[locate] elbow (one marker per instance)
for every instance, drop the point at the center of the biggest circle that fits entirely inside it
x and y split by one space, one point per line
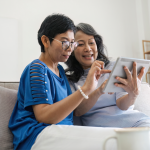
48 121
122 107
77 113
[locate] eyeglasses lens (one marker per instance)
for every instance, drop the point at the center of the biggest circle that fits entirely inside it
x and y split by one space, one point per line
66 45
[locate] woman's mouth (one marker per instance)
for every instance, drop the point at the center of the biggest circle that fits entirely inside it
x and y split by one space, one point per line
66 56
89 57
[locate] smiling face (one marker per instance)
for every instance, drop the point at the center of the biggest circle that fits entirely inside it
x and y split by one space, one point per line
55 51
86 52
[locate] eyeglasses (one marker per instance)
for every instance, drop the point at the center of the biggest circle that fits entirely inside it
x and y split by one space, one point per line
66 44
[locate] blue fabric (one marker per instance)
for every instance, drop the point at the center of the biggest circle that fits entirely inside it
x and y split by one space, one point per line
38 85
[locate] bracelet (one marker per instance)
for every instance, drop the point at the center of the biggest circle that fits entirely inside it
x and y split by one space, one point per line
85 96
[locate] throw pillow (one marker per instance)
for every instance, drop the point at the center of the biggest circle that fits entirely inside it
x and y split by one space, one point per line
8 99
142 102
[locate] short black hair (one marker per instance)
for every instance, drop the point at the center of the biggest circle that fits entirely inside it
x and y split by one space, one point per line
54 24
75 69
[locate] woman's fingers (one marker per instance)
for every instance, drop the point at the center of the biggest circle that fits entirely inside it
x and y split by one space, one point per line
98 73
99 63
124 81
141 73
100 66
128 73
134 74
102 86
104 83
120 85
97 67
96 64
105 71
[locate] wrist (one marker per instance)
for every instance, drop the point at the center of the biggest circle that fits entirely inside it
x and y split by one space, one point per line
85 90
132 95
132 98
82 93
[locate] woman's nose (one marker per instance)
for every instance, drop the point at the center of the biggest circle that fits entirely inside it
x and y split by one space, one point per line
88 48
69 48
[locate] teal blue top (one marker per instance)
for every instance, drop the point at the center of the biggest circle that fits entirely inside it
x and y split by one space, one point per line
38 85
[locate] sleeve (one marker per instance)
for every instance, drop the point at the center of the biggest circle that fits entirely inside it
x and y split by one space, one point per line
110 65
37 86
120 94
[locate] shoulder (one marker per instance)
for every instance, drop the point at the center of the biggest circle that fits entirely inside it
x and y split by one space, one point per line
35 65
110 65
34 62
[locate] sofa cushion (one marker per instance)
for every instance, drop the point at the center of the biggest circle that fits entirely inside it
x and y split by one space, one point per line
8 99
14 85
142 102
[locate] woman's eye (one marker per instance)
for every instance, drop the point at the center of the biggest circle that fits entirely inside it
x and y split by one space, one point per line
80 45
92 43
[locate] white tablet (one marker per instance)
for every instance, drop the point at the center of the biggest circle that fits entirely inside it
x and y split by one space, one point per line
119 71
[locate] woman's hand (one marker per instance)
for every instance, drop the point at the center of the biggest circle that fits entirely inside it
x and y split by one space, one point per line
94 74
132 83
100 89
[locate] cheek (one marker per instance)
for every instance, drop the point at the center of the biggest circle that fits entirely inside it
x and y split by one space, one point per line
77 53
95 52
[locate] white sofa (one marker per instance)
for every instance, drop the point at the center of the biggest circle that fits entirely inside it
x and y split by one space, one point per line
8 97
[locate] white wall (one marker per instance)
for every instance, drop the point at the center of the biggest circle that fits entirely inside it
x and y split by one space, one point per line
122 24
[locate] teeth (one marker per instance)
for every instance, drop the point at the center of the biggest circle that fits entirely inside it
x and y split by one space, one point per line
88 56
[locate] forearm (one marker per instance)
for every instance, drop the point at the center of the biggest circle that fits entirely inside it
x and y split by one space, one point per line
87 104
56 112
125 102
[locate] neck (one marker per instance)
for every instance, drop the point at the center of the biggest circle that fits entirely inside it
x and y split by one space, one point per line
49 62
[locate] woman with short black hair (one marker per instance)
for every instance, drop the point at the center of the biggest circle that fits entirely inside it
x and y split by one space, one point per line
44 94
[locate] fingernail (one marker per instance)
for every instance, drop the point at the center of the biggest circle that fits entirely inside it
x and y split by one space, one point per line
125 67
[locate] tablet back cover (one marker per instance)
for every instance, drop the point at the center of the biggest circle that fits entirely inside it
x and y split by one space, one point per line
119 71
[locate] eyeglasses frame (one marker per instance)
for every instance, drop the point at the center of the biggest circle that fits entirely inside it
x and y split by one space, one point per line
70 43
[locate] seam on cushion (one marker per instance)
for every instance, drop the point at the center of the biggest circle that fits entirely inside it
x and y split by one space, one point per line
37 82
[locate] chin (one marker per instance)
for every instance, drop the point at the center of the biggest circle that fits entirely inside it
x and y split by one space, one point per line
64 60
89 64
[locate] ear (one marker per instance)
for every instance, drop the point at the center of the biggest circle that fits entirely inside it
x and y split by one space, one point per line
45 41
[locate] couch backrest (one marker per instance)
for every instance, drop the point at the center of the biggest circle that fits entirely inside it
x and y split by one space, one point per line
142 103
10 85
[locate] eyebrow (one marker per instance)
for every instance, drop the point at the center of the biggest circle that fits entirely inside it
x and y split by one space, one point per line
83 40
65 38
